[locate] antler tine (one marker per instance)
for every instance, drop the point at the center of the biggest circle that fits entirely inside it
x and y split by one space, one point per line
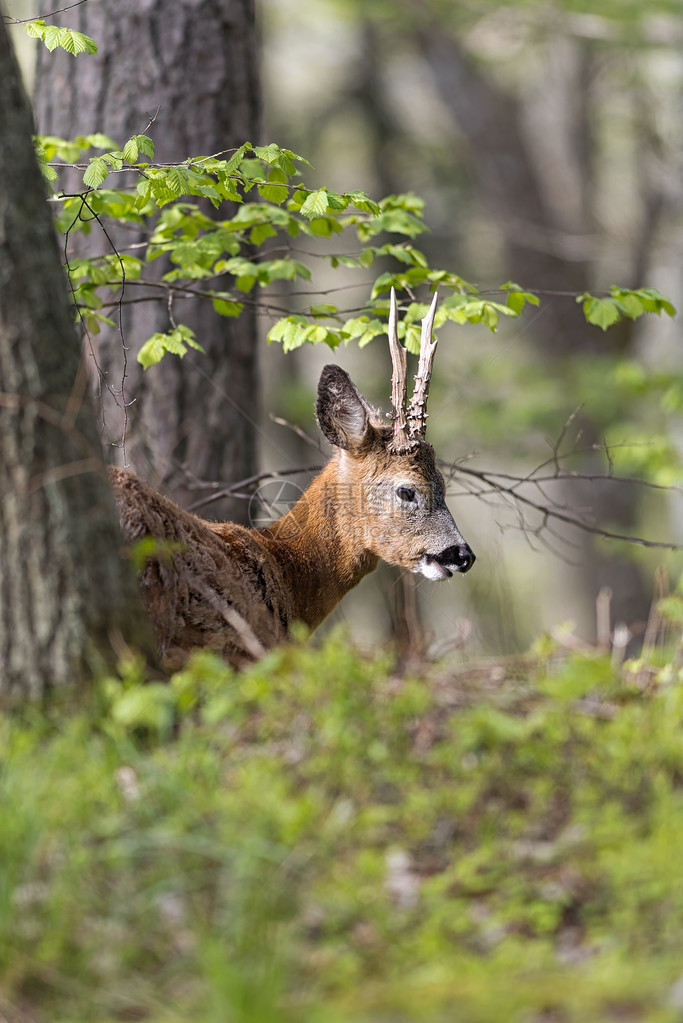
417 410
400 442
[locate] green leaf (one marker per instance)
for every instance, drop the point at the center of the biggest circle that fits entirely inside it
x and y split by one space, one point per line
373 329
356 326
144 190
35 29
323 227
393 222
245 282
96 172
323 310
316 204
226 307
648 300
630 302
227 189
251 170
289 331
278 157
114 160
273 193
630 305
235 160
178 180
49 173
145 145
97 140
176 341
152 351
662 302
602 312
517 297
363 202
145 706
76 42
282 270
53 37
130 151
672 608
269 153
462 309
349 261
260 232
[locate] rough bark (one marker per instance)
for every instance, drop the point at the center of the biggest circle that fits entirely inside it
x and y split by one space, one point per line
193 64
68 601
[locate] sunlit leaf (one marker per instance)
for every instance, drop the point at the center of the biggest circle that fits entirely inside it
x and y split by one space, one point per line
315 204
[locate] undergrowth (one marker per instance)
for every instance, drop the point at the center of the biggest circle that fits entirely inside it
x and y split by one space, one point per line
318 840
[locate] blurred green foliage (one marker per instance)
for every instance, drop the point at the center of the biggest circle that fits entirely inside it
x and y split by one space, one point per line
320 840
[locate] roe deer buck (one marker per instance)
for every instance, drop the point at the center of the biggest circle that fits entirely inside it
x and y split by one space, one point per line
238 590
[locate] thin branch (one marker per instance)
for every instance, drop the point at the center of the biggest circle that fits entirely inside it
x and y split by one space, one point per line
297 430
42 17
558 512
234 490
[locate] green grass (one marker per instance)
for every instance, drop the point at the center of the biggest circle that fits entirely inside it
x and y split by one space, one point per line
319 841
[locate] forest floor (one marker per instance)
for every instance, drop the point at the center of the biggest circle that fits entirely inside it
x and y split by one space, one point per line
320 840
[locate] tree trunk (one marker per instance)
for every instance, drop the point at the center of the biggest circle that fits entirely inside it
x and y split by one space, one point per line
67 598
192 66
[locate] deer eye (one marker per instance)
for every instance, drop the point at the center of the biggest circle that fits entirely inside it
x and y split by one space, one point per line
405 493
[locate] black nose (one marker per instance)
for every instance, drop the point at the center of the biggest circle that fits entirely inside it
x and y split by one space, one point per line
460 558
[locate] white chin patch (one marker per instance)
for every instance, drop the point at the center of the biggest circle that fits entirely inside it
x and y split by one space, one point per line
431 569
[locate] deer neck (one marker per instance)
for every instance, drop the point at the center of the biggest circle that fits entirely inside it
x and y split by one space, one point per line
319 548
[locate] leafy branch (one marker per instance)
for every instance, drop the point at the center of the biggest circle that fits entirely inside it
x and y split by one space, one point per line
55 37
229 226
252 247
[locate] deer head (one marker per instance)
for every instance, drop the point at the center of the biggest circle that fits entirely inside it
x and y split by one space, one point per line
388 489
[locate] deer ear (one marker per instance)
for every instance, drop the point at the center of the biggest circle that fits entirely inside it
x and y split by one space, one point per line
342 411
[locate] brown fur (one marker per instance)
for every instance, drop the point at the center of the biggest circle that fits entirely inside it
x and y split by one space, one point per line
238 591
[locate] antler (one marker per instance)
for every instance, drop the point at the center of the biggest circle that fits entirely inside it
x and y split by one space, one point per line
417 412
410 422
400 443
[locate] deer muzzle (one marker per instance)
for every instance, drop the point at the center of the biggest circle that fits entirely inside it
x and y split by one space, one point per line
443 565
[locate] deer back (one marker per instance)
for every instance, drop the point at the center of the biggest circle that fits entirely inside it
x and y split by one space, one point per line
204 584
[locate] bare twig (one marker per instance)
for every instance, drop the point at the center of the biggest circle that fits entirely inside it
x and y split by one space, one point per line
559 513
235 489
295 429
42 17
250 641
551 510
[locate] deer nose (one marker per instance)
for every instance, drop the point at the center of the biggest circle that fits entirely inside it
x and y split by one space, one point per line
459 558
